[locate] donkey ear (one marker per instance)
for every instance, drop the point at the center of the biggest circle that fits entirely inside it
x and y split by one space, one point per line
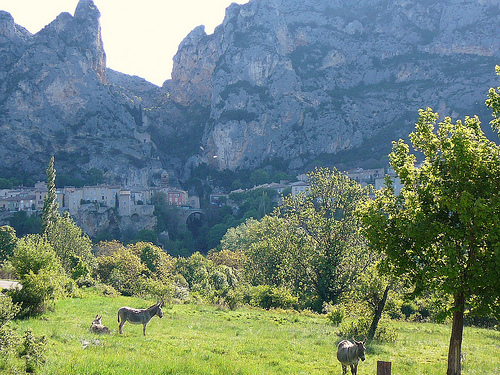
364 341
97 315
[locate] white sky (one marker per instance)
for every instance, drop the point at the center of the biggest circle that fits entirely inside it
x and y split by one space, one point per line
140 37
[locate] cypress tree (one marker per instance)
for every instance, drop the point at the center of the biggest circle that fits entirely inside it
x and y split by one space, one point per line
50 206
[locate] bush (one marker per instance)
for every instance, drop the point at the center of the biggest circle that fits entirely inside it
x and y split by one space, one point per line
336 314
359 328
268 297
41 274
8 338
30 348
33 351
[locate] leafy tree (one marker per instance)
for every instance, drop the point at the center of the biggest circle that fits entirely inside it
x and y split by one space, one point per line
122 270
146 235
40 272
493 102
159 263
24 224
70 243
442 231
325 218
50 206
241 237
8 242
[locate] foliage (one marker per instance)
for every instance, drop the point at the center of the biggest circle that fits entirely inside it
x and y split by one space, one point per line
325 220
122 270
442 231
360 328
40 272
72 246
234 259
146 235
158 262
24 224
50 206
268 297
8 241
493 102
309 243
8 310
8 337
33 351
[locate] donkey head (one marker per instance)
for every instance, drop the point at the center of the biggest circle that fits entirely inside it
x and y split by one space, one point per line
360 350
97 320
158 311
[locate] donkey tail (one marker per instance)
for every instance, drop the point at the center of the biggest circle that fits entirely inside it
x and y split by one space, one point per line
118 316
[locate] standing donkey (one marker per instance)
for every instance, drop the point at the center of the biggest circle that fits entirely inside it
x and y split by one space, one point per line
138 316
349 354
97 327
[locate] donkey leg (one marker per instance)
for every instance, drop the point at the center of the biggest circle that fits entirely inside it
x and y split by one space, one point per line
354 369
120 327
144 329
344 369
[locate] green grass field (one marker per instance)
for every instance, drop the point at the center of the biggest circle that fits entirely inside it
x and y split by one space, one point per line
201 339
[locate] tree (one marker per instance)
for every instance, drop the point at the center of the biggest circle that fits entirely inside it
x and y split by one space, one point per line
442 231
8 242
50 206
325 217
70 244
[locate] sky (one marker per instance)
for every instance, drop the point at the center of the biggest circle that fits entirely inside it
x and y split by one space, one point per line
139 37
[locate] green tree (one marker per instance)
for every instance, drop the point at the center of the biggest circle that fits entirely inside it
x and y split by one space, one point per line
70 244
122 270
442 231
50 206
493 102
8 242
40 272
24 224
325 218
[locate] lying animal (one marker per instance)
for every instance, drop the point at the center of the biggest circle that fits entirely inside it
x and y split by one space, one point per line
349 354
97 327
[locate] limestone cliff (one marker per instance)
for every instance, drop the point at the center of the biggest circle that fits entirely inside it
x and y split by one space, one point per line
294 79
286 80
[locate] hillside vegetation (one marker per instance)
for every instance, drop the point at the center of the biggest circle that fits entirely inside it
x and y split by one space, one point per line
203 339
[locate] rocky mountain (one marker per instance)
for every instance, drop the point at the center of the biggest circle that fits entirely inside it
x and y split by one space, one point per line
278 81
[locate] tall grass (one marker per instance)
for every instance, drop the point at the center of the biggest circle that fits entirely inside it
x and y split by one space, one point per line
200 339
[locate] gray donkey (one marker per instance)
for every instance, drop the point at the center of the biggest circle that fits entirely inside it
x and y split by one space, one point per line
97 327
138 316
349 354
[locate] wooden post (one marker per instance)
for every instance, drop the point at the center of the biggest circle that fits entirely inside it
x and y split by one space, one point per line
383 368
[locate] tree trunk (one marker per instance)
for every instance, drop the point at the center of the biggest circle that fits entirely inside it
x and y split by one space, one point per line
378 314
455 350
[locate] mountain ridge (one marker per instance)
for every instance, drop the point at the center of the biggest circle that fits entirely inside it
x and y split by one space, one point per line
294 81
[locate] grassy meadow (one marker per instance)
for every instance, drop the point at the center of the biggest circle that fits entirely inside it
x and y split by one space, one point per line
202 339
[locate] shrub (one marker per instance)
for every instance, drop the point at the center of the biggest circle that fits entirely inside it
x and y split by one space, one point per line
41 274
33 351
8 338
359 328
336 314
267 297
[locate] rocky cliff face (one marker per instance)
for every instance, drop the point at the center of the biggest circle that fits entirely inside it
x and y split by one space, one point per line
292 80
296 79
56 99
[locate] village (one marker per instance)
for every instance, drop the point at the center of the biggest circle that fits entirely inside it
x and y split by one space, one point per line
136 200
